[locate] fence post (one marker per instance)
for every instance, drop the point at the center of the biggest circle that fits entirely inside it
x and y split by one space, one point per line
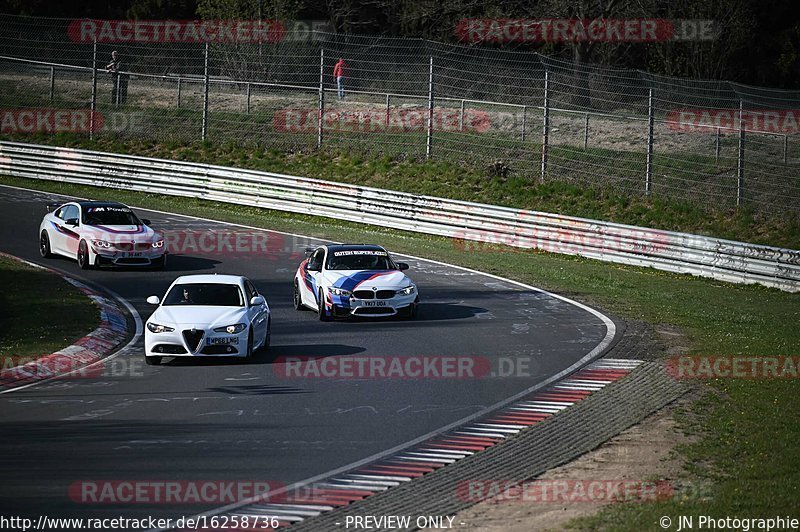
204 133
52 82
716 146
740 163
648 184
461 117
586 131
180 83
93 104
247 107
387 112
321 97
545 124
785 149
524 121
430 112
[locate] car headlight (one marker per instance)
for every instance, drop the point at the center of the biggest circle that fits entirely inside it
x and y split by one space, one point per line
156 328
102 244
340 292
231 329
407 291
158 244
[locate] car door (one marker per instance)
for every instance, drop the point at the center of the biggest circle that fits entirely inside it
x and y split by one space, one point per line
65 238
257 313
314 276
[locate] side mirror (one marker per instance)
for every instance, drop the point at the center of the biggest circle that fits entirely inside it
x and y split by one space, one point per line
153 300
257 300
71 221
402 266
145 221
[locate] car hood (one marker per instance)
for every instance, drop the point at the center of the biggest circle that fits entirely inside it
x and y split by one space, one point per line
380 279
121 233
198 316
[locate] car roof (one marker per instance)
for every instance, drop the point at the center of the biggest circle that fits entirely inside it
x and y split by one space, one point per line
209 278
340 247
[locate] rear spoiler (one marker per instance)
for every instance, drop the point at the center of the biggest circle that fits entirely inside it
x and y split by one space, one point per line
53 206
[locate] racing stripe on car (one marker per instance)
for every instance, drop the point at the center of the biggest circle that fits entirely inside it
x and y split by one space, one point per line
139 229
351 282
65 231
441 450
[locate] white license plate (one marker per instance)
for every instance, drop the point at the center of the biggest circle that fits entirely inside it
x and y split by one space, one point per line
374 303
222 340
128 254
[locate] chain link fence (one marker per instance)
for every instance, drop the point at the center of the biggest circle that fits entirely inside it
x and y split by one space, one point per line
514 113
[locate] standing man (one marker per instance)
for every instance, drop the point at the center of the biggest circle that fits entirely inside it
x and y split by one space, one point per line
339 72
119 87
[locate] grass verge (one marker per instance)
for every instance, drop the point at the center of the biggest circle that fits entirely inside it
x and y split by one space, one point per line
40 314
747 428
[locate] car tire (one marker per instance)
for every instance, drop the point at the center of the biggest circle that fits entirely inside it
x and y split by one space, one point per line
83 256
321 307
297 298
268 336
153 360
44 245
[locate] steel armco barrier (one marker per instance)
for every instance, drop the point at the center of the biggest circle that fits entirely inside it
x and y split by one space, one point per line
725 260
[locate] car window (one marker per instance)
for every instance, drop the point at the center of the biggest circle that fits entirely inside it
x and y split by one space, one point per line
359 259
250 290
109 215
70 212
207 294
60 213
315 262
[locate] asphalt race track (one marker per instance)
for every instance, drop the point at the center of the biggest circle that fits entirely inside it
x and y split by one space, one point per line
225 420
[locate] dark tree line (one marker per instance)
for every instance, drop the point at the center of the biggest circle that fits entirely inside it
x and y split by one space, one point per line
757 41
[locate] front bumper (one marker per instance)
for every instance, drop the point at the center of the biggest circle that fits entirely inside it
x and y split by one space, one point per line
373 308
203 342
129 258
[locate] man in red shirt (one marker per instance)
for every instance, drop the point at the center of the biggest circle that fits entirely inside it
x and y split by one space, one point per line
339 72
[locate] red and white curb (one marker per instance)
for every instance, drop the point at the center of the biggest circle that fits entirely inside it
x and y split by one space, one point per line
440 450
95 346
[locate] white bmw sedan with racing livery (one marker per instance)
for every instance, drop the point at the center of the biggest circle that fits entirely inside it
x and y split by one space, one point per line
206 316
98 233
354 280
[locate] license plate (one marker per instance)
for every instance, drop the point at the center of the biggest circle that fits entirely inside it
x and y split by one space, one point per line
127 254
374 303
222 340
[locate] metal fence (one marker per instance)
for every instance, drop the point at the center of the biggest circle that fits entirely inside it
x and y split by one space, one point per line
485 225
514 113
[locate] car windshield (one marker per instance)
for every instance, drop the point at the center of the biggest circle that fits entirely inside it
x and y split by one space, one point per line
359 259
109 215
207 294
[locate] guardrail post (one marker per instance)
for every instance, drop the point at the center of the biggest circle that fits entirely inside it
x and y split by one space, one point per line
648 178
524 121
461 117
785 149
178 102
740 162
545 124
204 133
93 104
247 105
321 97
52 82
586 131
429 142
716 146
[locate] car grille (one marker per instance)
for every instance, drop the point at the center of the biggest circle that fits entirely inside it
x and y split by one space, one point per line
384 294
372 310
193 338
364 294
141 246
169 349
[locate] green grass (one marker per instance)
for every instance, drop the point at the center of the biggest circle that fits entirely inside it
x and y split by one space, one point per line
40 314
745 457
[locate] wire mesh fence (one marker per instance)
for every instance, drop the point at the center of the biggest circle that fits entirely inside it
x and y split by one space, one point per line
514 113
